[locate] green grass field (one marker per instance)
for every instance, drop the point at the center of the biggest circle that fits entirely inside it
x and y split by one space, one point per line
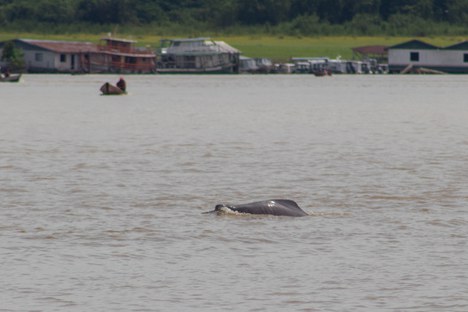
278 48
283 48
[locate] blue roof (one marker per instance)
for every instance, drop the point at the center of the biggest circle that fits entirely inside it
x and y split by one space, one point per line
458 46
415 44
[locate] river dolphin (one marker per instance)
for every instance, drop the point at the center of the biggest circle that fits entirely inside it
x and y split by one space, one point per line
276 207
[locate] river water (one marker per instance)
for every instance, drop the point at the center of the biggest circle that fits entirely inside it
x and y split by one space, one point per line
101 198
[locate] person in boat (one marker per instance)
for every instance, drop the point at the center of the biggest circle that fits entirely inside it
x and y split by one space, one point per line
6 72
122 84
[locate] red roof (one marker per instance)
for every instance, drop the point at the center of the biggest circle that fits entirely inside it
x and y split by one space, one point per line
63 46
118 40
375 49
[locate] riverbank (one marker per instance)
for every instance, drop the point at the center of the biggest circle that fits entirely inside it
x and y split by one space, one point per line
277 48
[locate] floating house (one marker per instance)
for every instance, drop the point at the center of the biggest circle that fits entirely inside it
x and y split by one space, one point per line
197 55
416 54
54 56
121 56
112 56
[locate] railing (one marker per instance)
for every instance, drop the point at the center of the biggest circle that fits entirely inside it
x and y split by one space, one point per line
138 66
125 50
170 64
194 50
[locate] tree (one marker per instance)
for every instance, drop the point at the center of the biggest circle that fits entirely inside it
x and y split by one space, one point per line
13 56
456 11
107 11
55 11
219 13
330 10
148 11
307 25
303 8
255 12
417 8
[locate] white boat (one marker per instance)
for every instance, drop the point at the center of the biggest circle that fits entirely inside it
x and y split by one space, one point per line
198 55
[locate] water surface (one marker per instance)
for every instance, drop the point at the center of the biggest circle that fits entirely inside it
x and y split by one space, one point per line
102 197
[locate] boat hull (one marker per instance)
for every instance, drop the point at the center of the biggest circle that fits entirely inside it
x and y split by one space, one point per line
110 89
10 78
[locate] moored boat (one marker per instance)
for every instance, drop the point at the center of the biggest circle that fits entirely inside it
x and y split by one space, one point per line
10 78
322 73
110 89
197 56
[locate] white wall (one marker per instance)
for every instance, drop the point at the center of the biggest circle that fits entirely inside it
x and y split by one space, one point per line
47 61
67 65
51 61
439 58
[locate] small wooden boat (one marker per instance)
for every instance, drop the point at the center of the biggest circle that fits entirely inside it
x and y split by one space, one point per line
10 78
322 73
110 89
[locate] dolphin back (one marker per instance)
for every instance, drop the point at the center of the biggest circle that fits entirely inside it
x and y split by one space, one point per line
276 207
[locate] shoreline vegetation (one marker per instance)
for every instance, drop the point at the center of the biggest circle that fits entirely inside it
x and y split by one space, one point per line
279 48
275 29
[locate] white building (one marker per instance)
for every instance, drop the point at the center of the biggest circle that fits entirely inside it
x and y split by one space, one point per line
418 54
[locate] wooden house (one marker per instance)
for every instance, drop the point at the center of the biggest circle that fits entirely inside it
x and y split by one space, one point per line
121 56
112 56
54 56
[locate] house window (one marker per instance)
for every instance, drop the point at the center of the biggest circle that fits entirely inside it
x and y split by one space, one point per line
38 57
465 58
130 60
63 58
414 56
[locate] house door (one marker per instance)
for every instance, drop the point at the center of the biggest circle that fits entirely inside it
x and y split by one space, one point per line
73 61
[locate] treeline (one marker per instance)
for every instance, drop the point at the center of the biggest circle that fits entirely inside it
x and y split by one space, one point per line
292 17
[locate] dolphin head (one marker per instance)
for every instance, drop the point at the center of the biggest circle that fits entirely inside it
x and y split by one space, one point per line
219 207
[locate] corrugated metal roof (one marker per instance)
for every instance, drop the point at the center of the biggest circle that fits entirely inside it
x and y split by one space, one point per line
374 49
118 40
200 39
226 47
63 46
197 47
